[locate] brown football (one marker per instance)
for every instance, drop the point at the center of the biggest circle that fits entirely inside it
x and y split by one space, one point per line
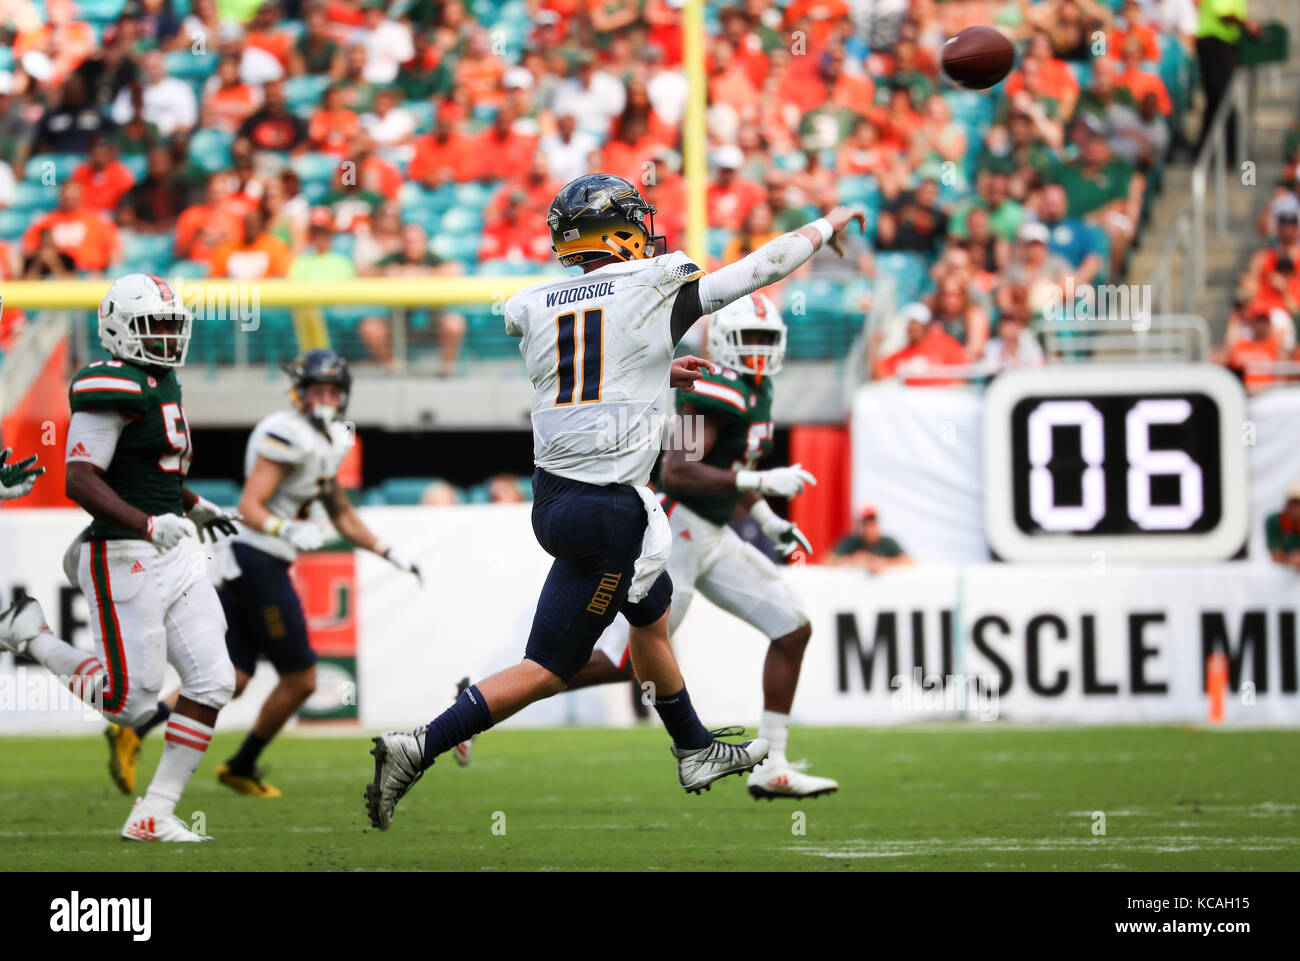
978 57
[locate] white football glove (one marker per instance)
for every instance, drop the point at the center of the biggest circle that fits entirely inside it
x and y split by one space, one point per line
399 560
784 535
167 530
212 520
303 535
779 481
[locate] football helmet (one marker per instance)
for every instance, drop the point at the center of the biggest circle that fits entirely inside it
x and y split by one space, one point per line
726 336
319 366
142 319
598 216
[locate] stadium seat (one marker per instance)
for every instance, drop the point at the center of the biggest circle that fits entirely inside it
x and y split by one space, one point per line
189 269
909 272
343 244
405 490
315 167
60 165
13 223
35 197
305 88
223 493
189 66
822 316
147 248
474 194
210 149
137 163
462 220
101 11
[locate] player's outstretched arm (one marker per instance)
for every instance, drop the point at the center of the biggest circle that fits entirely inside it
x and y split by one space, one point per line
353 529
775 260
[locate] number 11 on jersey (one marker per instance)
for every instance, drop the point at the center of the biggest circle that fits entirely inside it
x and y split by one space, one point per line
592 369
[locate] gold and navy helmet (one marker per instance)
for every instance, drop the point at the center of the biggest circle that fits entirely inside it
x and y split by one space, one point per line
319 366
598 216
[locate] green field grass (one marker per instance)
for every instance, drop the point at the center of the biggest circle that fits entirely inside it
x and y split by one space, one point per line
977 798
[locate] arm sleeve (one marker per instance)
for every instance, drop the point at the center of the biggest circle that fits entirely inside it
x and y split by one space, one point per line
775 260
93 436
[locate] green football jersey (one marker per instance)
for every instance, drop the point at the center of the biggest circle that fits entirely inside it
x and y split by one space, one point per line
744 435
153 454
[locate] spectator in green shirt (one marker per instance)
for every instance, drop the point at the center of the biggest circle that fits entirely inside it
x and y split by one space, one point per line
867 547
1282 530
318 263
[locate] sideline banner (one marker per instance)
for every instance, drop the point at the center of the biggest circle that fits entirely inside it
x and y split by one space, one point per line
1056 644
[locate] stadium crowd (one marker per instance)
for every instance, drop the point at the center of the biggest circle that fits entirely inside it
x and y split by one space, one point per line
1261 336
325 139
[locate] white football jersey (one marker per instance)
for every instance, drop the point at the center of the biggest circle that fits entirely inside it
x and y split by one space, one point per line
598 349
288 437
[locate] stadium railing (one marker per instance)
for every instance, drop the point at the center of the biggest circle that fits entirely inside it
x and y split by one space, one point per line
1183 254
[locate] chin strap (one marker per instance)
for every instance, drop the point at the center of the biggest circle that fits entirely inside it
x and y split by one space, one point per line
619 250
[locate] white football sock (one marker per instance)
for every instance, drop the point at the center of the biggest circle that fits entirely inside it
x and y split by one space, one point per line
81 672
776 729
183 746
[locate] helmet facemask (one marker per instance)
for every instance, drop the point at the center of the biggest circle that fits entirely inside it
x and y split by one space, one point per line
749 336
159 339
759 351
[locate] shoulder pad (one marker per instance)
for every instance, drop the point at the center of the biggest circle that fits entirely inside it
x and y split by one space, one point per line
109 385
279 437
676 269
716 394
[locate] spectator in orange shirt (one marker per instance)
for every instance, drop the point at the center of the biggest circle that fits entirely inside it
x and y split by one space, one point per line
375 173
756 230
264 34
334 125
747 48
65 40
444 156
818 81
627 155
256 256
822 18
228 102
1054 78
516 235
536 184
1135 26
729 197
1140 82
501 150
80 231
479 71
729 81
103 178
203 227
640 105
1258 345
927 346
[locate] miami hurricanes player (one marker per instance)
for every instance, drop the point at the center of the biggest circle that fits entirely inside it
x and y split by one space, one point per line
291 462
139 563
701 492
599 352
